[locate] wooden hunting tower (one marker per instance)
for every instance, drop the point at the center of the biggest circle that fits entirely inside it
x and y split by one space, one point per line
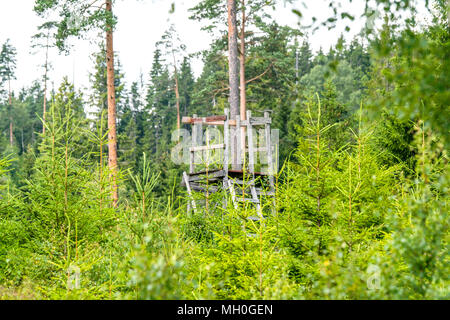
226 159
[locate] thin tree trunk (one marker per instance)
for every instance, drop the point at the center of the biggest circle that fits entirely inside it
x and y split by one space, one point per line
319 220
23 146
112 135
233 71
177 92
242 64
350 222
296 65
11 140
243 106
45 86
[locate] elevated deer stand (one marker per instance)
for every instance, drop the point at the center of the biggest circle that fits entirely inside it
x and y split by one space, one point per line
236 163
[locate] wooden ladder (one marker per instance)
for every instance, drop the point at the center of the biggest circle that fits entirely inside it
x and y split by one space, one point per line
254 196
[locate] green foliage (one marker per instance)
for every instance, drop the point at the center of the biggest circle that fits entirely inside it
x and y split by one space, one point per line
7 62
76 18
394 142
419 244
158 270
344 79
239 258
64 202
360 208
423 91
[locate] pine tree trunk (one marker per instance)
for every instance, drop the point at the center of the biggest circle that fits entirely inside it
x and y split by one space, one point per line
11 140
112 135
23 146
177 92
44 111
233 59
243 107
45 104
233 70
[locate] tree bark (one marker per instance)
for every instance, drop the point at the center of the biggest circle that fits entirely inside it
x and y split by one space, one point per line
111 91
233 59
177 92
233 72
11 139
45 85
243 106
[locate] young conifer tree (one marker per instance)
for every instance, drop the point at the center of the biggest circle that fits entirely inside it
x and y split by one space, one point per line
7 69
78 17
62 195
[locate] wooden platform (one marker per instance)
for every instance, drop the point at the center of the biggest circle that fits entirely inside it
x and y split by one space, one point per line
217 176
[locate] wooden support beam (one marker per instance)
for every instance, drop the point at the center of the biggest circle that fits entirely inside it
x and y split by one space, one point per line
192 154
226 142
237 157
269 148
251 154
259 121
226 157
203 188
206 148
211 176
270 161
255 121
188 187
232 192
203 120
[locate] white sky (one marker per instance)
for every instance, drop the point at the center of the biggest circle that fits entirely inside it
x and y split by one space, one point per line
140 26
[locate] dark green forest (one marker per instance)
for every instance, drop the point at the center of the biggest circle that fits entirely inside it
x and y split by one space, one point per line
361 198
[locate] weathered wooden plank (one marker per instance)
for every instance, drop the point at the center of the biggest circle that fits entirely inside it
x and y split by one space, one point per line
255 121
238 155
203 188
226 141
204 172
205 148
242 182
188 187
192 154
262 149
233 194
198 159
270 161
251 152
256 201
260 121
203 120
269 148
211 176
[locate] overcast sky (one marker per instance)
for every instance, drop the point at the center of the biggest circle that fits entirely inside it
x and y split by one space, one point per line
140 26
